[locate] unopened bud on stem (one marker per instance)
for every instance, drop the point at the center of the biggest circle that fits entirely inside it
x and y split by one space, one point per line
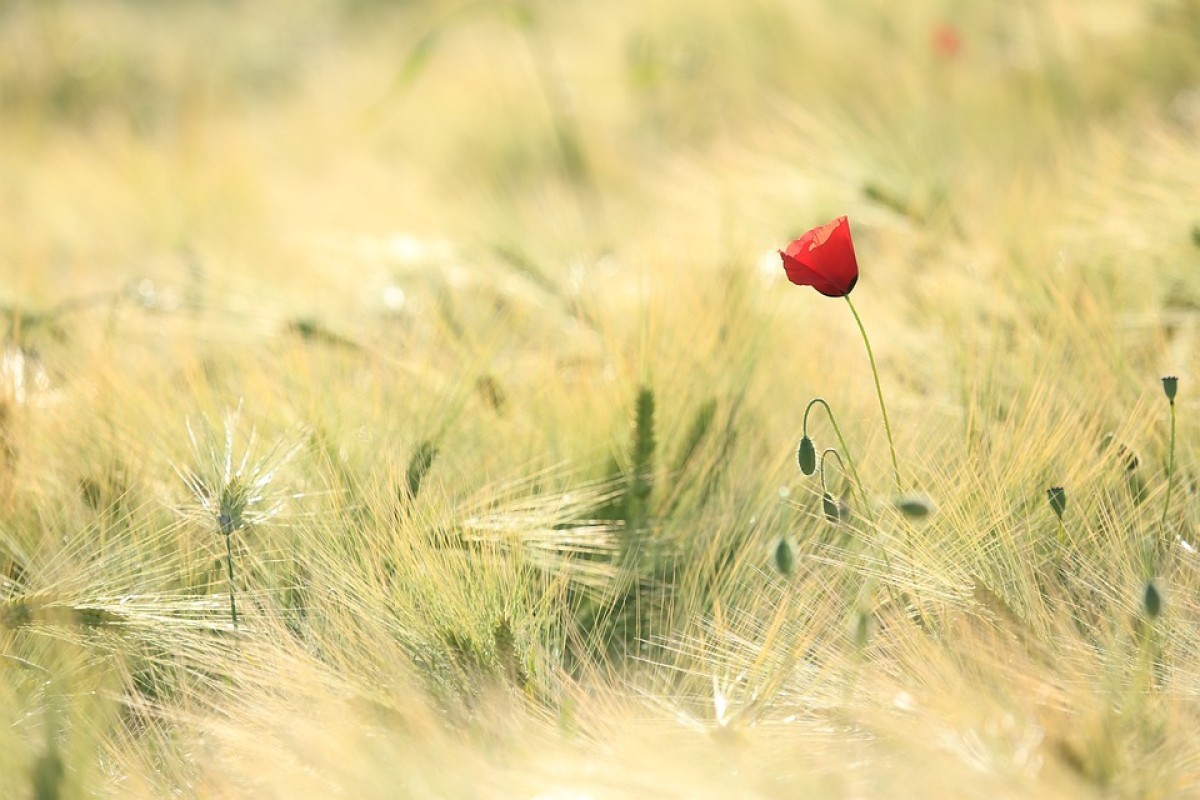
806 456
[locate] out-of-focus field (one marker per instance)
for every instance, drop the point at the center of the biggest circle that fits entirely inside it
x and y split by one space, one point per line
468 322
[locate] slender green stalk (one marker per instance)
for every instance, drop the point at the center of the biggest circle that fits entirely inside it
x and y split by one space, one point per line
887 426
862 491
1170 471
229 566
829 451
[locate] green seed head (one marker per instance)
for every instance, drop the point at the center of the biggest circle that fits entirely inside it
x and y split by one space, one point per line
1170 387
806 456
231 511
1151 600
1057 496
785 559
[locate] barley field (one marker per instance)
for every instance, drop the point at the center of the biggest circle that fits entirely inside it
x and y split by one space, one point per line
403 400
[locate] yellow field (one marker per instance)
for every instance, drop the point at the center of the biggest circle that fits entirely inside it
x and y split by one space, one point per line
458 333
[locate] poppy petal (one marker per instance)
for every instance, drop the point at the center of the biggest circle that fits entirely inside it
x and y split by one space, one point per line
801 275
824 259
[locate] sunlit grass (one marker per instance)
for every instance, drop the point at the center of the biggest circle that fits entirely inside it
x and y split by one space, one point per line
489 355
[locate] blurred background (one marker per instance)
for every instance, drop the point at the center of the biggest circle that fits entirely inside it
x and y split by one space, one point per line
368 170
487 246
157 138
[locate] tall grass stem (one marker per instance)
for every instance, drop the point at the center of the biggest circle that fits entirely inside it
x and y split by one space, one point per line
229 567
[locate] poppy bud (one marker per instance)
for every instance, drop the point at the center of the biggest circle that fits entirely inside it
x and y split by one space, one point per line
1057 496
785 559
806 456
914 506
832 512
1170 386
1151 600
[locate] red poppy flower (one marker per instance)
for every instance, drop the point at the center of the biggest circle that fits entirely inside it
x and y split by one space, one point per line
946 40
824 259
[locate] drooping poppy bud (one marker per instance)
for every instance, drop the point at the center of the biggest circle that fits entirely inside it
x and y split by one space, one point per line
1151 600
824 259
1057 496
806 456
832 512
1170 386
785 559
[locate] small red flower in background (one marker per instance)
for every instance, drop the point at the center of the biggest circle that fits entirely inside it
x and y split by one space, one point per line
824 259
946 40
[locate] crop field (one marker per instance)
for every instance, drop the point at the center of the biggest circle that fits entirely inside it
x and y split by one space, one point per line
409 399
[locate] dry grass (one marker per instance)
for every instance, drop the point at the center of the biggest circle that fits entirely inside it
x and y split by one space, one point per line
520 385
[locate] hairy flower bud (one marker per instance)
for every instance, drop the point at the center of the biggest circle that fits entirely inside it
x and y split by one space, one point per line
806 456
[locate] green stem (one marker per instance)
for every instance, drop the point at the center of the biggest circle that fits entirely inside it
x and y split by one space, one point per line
1170 471
887 426
862 491
821 469
229 566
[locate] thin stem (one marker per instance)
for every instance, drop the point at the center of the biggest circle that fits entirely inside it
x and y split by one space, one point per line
826 452
808 408
887 426
229 566
862 491
1170 471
